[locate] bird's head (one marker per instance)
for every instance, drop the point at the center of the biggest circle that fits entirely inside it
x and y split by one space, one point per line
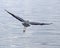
27 20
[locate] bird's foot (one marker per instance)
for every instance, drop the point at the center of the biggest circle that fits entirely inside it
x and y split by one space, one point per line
23 30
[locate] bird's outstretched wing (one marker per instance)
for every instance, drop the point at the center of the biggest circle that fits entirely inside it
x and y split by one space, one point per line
20 19
35 23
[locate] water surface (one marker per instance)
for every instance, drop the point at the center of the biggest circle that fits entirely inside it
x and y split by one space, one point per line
11 30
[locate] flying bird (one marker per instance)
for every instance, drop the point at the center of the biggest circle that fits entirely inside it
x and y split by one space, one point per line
26 23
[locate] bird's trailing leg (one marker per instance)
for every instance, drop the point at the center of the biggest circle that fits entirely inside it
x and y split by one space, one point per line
24 29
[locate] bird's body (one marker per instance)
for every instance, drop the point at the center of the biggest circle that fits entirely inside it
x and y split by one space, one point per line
27 23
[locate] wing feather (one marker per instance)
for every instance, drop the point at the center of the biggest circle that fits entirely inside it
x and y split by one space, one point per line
36 23
17 17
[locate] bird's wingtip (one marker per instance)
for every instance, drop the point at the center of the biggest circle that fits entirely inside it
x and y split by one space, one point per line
5 10
51 23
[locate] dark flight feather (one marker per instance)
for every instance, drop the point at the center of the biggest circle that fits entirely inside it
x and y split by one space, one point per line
20 19
35 23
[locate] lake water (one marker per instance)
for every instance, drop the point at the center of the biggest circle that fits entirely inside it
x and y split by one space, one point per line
11 30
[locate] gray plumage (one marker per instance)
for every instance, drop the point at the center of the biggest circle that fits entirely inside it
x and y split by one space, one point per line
17 17
27 23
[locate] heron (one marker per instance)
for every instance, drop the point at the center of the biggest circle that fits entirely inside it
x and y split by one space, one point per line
26 23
